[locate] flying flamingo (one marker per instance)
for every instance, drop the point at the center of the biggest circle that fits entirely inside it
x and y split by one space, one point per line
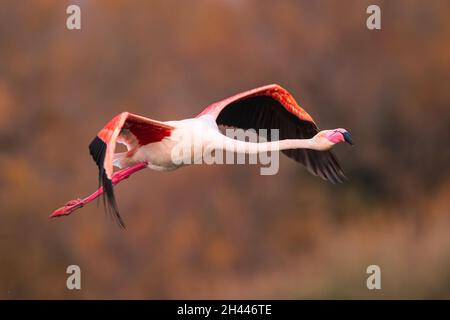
150 142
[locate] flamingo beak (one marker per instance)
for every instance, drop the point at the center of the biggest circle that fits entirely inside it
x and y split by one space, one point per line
348 138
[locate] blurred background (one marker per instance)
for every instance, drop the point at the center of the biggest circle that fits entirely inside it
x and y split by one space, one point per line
226 231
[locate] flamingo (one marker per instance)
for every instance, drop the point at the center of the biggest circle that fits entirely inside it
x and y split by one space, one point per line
150 142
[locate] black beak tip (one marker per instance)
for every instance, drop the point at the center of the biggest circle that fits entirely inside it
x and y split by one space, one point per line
348 138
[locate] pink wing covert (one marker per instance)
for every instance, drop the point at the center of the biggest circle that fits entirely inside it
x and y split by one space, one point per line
274 91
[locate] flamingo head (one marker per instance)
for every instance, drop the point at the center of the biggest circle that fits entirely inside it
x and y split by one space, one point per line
326 139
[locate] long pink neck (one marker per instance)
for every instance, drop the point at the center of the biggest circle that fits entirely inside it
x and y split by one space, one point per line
233 145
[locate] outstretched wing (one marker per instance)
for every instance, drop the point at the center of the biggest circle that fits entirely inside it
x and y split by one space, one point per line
273 107
132 130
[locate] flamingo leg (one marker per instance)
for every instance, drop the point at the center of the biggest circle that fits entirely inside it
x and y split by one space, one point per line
117 177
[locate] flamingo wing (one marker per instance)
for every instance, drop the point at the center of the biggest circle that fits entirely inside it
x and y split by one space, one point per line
273 107
132 130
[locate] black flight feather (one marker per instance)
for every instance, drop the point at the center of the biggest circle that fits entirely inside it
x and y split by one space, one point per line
97 149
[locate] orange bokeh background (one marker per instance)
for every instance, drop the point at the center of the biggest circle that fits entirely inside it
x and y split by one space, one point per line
226 231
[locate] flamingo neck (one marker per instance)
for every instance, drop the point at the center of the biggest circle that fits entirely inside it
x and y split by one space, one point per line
233 145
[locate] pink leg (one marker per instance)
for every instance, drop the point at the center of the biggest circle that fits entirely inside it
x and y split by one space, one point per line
118 176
